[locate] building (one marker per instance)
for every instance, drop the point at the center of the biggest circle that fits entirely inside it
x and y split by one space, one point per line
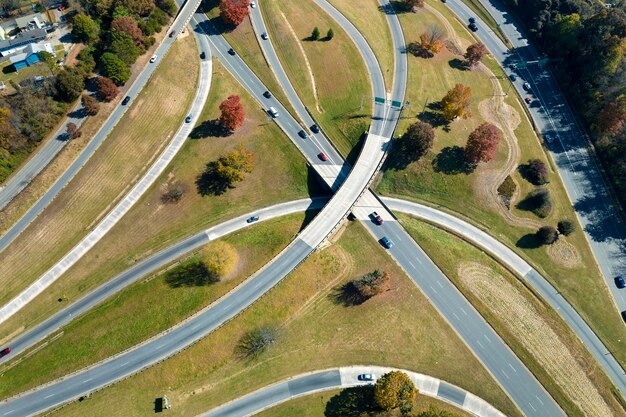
29 55
20 41
30 22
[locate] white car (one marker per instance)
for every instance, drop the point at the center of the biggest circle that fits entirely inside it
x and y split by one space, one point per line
264 36
153 59
366 377
252 4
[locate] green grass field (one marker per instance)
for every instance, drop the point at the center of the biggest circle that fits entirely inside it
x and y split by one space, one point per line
461 194
143 310
341 79
152 225
399 328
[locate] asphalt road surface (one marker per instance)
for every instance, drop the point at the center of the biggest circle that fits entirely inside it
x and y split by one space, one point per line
96 141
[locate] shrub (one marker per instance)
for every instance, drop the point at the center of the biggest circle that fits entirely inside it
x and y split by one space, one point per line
539 202
174 193
507 188
371 284
535 172
547 235
255 342
315 35
566 227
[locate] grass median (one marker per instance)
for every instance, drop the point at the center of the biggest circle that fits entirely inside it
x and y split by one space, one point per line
152 225
328 74
399 328
146 308
534 331
436 180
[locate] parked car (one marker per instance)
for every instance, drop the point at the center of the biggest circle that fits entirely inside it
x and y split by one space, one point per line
5 352
253 219
376 217
126 100
528 100
153 59
264 36
526 86
322 156
267 94
315 129
619 281
231 51
188 118
273 112
302 134
366 377
386 242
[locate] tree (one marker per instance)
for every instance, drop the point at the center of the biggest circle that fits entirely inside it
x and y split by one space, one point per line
233 12
168 6
70 83
431 41
330 34
610 119
547 235
128 25
91 105
417 140
189 274
114 68
535 171
124 47
255 342
86 61
72 131
107 90
233 166
475 53
456 102
566 227
174 193
413 4
371 284
482 143
220 258
232 116
139 7
85 29
315 35
395 389
50 60
539 202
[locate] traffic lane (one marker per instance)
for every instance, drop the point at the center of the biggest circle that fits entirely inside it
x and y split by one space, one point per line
162 346
514 377
151 265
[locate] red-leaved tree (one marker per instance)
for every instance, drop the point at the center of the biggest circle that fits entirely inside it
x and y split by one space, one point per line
610 120
107 90
475 53
129 26
482 143
234 11
232 115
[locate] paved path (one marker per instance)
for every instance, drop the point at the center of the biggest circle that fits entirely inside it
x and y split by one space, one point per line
111 219
565 141
94 143
346 377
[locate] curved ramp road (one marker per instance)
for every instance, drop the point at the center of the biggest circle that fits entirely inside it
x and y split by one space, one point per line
581 175
346 377
151 265
122 207
32 213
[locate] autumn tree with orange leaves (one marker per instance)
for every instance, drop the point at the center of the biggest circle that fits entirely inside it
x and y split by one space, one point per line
232 116
482 143
475 53
234 11
456 102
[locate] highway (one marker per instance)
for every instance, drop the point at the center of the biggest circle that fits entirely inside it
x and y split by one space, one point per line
93 144
346 377
565 141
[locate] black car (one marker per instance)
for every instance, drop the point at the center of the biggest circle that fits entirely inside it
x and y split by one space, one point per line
202 55
267 94
619 282
126 100
472 20
624 315
315 129
172 34
473 27
302 134
231 51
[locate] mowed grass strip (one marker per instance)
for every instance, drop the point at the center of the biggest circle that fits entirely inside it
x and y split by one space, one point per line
429 80
280 174
399 328
316 405
367 17
341 80
246 43
533 330
132 146
143 310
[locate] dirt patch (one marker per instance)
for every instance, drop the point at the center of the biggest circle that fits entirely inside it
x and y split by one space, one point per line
533 332
564 254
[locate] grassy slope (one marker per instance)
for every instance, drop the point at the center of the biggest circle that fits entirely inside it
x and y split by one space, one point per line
399 328
150 225
458 252
314 405
341 78
429 80
152 305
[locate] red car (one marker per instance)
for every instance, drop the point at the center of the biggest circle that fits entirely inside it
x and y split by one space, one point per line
377 218
5 352
322 156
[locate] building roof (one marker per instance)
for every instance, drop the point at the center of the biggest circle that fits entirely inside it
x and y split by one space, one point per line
22 38
24 21
31 49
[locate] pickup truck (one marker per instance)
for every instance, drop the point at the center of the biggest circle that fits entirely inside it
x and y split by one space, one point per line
377 218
